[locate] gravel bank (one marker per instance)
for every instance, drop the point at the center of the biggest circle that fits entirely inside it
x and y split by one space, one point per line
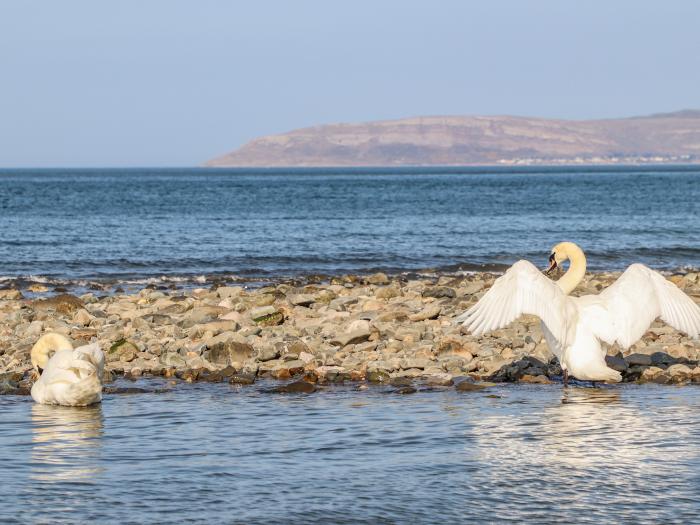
355 328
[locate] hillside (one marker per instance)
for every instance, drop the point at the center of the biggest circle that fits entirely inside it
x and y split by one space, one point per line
459 140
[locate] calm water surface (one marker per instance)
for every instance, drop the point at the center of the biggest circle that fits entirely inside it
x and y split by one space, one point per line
222 454
136 224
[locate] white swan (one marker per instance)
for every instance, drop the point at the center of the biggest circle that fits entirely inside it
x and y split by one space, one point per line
67 377
575 326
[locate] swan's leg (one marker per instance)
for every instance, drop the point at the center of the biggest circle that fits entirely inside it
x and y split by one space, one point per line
566 377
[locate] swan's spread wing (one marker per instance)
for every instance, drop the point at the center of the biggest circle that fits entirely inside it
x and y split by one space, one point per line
641 295
554 345
523 289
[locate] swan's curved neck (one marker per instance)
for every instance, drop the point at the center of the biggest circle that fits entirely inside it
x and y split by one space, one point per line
48 343
577 268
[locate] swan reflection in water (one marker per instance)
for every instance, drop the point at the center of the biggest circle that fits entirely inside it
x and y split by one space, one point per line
587 395
549 452
66 443
581 427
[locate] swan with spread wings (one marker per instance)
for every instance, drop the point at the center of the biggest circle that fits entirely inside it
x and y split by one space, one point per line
574 327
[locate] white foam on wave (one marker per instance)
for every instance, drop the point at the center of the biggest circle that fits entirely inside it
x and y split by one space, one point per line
38 279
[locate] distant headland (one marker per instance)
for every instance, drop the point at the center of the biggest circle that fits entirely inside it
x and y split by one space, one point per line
479 140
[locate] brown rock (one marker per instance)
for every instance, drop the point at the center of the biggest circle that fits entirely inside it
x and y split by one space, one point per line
189 375
10 295
310 376
378 376
679 373
430 312
225 292
281 373
297 387
301 299
651 373
457 346
202 314
377 278
540 379
267 316
210 376
82 317
63 303
83 335
387 292
122 350
242 379
266 299
468 386
352 338
358 375
229 371
439 292
230 353
439 380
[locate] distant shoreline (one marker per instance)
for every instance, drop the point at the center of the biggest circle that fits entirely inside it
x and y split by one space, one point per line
369 169
469 168
478 140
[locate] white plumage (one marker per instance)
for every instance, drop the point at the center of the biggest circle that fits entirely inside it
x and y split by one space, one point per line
575 326
70 377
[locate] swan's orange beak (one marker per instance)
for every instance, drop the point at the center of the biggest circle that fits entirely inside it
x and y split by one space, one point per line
552 264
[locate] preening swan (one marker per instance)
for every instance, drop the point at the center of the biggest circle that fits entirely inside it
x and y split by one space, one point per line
67 377
575 326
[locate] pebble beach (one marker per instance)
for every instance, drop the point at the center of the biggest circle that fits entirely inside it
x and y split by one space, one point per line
375 328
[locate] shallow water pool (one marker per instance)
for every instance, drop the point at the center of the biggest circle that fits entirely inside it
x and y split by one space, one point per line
217 453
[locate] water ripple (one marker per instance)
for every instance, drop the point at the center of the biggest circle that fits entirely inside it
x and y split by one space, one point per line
137 224
207 453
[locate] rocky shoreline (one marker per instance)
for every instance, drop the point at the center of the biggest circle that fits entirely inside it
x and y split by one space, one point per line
393 330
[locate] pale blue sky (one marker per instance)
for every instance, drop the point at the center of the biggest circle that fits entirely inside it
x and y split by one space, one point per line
173 83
